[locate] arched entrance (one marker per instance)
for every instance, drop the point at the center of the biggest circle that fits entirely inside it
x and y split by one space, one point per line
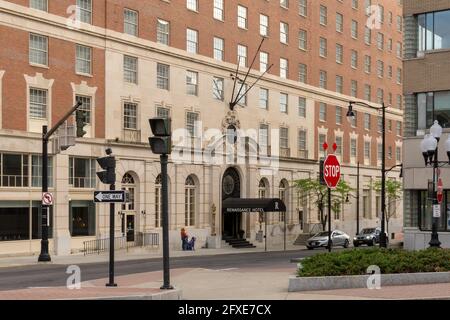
129 208
231 188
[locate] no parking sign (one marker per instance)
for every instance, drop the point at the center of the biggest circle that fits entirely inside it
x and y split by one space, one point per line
47 199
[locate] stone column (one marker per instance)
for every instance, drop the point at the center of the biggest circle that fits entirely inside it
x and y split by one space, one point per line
61 214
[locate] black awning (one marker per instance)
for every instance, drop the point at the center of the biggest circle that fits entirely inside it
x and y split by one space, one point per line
231 205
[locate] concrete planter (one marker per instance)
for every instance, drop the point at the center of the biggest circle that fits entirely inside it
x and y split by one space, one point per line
360 281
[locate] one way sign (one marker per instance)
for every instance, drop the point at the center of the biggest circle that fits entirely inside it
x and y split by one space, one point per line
109 196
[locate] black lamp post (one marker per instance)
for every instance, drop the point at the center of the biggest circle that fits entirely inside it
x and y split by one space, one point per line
350 115
347 200
430 148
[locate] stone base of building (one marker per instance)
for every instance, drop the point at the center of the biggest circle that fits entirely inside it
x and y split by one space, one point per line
414 239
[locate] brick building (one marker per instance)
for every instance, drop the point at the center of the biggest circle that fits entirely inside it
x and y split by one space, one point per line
427 98
132 60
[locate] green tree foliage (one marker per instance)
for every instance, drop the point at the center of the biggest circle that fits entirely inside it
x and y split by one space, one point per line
394 190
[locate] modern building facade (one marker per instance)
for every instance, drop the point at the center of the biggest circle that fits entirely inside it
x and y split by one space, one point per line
427 98
132 60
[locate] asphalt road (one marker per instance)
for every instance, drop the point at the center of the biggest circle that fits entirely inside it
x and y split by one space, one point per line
52 275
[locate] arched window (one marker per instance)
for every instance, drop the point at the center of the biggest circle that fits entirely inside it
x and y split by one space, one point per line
189 201
282 190
262 189
129 185
158 201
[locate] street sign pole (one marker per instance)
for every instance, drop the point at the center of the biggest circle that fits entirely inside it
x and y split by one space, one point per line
44 256
329 220
165 222
111 283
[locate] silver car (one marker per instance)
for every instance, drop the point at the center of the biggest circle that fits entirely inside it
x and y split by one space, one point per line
338 238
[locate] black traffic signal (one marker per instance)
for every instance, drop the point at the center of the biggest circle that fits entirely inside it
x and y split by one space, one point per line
80 116
161 142
108 176
321 178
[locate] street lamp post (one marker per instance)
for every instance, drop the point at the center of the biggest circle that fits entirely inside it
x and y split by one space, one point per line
350 115
347 200
430 147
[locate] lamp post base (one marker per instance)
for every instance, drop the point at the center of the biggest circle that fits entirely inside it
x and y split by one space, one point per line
383 242
434 242
166 287
44 257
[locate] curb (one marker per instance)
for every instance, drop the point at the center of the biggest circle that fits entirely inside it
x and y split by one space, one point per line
360 281
175 294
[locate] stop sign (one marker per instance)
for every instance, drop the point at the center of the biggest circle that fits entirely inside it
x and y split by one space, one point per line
331 171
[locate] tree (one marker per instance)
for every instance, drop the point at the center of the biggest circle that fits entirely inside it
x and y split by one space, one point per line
394 191
318 194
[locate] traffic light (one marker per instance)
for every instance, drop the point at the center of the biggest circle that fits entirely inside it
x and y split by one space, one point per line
108 176
161 142
80 116
321 178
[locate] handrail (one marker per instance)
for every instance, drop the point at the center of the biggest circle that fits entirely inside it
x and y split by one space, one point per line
102 245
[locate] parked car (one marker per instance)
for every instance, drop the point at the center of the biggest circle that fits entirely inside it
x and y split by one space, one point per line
368 236
338 238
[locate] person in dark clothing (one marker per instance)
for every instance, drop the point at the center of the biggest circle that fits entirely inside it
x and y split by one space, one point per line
184 239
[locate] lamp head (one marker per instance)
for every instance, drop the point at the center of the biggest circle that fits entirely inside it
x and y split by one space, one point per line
350 113
436 130
108 151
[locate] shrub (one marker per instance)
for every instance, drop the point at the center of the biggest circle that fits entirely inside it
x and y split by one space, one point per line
356 261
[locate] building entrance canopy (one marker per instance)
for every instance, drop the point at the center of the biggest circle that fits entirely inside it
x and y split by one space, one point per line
232 205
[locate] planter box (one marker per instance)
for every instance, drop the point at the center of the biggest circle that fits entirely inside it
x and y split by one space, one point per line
360 281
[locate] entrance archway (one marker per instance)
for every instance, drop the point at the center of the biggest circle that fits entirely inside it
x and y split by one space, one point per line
231 188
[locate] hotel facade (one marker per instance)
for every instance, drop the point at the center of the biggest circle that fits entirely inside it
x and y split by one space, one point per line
130 60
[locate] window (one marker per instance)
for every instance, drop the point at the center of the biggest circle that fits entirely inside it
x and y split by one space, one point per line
86 107
263 138
38 53
367 92
83 59
163 32
191 83
242 101
242 17
218 49
284 3
263 25
130 116
303 8
283 103
399 76
284 138
380 95
322 111
302 146
380 68
353 148
218 10
380 124
390 125
354 4
398 154
390 72
339 53
354 59
130 69
14 170
191 124
354 88
302 73
380 41
322 140
433 30
263 98
323 15
36 171
399 101
84 11
323 79
339 22
367 5
263 61
191 41
354 31
81 218
432 106
389 153
218 88
262 190
192 5
400 23
381 13
339 146
162 112
302 107
339 84
283 68
389 45
399 129
284 32
162 76
82 172
367 64
38 103
130 22
323 47
367 35
367 150
366 204
39 4
367 121
189 201
338 115
399 50
303 39
242 55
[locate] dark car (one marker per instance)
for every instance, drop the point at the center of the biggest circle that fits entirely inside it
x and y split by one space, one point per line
368 236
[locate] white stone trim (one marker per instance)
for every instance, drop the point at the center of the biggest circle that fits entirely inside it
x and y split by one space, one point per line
39 82
2 72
